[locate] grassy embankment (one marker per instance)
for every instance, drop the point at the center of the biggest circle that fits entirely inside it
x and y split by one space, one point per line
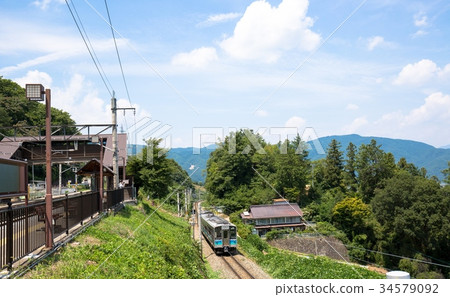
160 249
282 264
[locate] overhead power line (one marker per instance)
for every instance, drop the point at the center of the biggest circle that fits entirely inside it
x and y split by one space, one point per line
89 48
118 55
396 256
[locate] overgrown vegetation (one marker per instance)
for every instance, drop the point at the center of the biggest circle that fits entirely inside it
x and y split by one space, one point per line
288 265
377 205
160 249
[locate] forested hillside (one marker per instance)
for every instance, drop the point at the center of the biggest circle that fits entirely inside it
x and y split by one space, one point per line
17 111
434 160
383 206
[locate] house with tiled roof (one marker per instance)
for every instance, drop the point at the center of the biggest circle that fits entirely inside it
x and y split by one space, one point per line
280 215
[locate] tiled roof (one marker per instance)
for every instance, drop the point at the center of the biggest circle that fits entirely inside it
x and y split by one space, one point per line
273 211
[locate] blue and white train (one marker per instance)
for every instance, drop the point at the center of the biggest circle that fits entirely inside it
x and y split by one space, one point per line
220 233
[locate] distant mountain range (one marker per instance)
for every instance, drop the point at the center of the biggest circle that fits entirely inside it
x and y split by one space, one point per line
434 160
193 160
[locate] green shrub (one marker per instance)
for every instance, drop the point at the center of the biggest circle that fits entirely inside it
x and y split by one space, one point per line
275 234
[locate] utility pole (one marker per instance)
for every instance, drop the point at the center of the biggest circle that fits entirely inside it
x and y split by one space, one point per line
199 220
115 146
185 202
178 203
48 172
100 202
114 142
60 179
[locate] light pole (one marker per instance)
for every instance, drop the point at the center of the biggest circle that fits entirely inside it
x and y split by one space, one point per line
36 92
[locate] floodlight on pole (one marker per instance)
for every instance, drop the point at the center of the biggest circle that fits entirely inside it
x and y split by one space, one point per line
36 92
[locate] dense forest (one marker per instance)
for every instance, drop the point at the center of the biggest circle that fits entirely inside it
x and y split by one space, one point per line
392 213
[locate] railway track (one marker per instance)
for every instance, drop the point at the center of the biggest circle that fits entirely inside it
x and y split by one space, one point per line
236 267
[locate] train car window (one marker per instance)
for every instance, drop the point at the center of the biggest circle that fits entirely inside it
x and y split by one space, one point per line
232 232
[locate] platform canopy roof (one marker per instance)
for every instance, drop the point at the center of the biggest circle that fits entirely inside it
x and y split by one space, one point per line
93 167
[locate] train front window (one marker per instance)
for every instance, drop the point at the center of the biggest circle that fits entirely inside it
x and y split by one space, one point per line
225 233
232 232
218 233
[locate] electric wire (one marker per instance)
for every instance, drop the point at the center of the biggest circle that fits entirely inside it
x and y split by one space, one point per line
117 52
88 48
396 256
91 46
179 94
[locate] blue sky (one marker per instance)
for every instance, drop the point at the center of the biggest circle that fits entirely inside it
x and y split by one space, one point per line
210 67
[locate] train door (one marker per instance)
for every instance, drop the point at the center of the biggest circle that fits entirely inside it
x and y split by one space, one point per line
226 236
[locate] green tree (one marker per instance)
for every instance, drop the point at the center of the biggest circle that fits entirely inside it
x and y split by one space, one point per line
411 168
334 164
373 166
230 165
446 173
291 169
415 214
17 111
152 170
350 179
350 214
244 169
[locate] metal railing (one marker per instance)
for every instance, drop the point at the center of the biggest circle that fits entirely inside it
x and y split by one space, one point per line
22 228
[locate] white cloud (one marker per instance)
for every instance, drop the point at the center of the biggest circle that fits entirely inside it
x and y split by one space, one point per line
378 41
419 33
356 125
422 72
352 106
265 32
295 122
220 18
42 44
261 113
425 123
374 41
80 96
420 20
44 4
35 77
436 107
417 73
197 58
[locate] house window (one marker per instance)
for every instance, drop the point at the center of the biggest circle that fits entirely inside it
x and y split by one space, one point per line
262 222
277 221
293 220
